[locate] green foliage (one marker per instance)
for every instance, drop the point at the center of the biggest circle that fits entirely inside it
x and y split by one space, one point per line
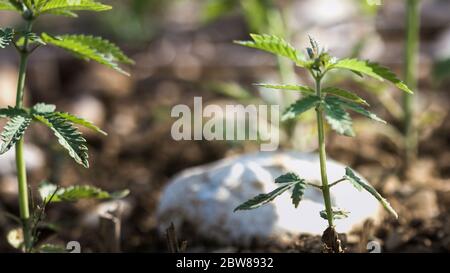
67 7
275 45
68 136
90 48
50 193
34 8
303 89
79 121
14 131
360 185
15 128
331 103
344 94
338 118
62 124
297 193
301 106
9 5
11 112
287 181
354 107
6 37
373 70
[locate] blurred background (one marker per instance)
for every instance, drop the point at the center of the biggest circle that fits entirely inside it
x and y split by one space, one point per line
182 49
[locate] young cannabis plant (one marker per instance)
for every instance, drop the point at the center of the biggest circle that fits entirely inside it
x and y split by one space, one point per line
61 123
330 103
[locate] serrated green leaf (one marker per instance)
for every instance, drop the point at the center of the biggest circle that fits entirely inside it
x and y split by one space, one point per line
304 89
354 107
299 107
371 69
13 132
359 184
297 192
6 37
344 94
68 136
275 45
288 178
12 112
79 121
43 108
338 118
338 214
50 193
10 5
287 181
91 48
263 198
66 7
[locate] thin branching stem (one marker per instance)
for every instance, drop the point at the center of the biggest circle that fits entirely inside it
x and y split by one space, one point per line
337 182
323 156
314 185
20 160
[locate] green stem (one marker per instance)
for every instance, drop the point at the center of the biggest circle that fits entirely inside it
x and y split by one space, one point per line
323 158
20 160
412 48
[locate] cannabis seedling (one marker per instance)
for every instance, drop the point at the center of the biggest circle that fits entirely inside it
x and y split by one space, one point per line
61 123
330 103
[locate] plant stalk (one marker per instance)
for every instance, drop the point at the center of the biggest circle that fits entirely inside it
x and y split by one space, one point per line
411 61
323 158
20 160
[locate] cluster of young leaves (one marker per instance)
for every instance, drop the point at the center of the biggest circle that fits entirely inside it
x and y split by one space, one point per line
61 123
86 47
335 102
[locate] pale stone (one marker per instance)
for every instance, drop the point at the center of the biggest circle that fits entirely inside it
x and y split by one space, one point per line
34 160
204 198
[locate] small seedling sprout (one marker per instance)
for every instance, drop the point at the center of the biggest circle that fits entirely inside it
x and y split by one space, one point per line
331 104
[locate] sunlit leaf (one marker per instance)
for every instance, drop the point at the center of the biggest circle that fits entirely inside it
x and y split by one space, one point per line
359 184
301 106
52 194
371 69
348 95
91 48
338 118
275 45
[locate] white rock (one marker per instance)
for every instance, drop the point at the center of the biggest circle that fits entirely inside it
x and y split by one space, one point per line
204 198
34 160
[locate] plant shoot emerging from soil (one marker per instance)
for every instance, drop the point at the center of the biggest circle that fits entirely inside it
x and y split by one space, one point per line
331 104
61 123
